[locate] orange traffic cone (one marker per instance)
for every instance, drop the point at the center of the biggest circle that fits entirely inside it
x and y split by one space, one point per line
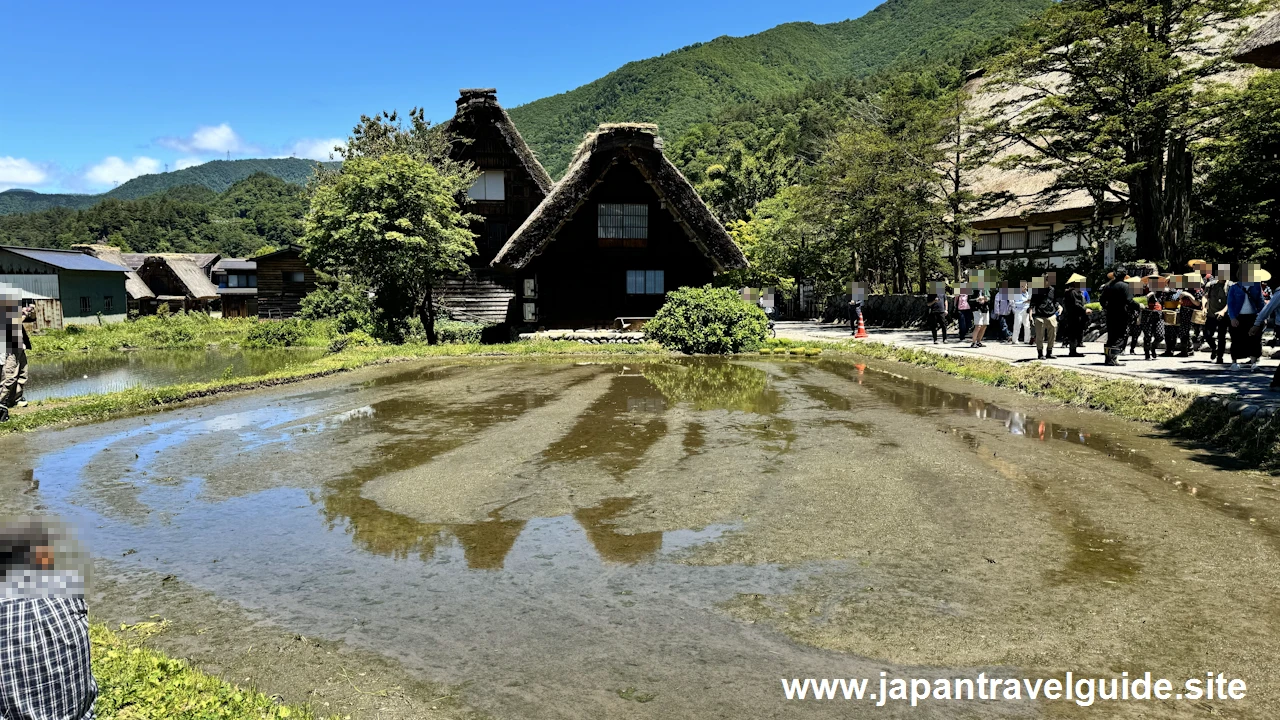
862 328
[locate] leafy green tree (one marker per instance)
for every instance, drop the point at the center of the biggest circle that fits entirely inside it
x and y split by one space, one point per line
1109 96
391 222
1238 193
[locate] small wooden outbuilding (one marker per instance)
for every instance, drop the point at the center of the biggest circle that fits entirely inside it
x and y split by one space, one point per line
283 280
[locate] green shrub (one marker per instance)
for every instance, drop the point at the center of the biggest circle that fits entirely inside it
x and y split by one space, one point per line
355 338
456 332
276 333
708 320
348 304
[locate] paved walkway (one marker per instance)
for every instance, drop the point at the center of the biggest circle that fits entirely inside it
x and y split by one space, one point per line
1196 373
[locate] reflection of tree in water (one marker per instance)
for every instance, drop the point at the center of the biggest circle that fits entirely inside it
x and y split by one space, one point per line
421 431
611 544
711 384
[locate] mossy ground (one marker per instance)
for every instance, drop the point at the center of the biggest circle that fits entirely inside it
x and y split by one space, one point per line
139 683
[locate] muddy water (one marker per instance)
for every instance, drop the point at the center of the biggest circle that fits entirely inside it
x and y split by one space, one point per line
70 374
669 539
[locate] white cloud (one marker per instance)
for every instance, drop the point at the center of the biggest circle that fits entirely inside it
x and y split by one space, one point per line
186 162
113 170
316 149
209 138
20 172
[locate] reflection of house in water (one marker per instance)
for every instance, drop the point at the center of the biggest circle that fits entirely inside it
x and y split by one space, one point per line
612 545
485 545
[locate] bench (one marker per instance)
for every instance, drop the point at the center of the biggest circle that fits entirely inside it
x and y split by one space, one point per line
630 324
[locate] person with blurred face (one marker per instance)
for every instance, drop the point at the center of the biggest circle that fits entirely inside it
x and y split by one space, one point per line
1152 318
1044 315
16 344
1022 313
45 673
1215 306
1244 303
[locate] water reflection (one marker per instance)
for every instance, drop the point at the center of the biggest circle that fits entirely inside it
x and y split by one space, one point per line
709 384
919 398
617 429
611 544
66 375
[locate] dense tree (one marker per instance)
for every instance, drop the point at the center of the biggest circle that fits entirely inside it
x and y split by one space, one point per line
255 212
694 84
390 217
1238 193
1109 96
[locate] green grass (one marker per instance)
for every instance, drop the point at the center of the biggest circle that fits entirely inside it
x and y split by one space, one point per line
180 330
92 408
137 683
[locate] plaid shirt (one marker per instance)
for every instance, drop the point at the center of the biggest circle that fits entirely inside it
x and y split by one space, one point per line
44 648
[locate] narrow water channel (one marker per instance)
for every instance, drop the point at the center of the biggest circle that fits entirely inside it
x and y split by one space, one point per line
562 538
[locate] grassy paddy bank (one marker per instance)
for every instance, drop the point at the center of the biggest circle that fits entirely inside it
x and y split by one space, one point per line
139 683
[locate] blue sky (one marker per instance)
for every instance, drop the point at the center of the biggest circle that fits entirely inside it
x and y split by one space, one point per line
96 93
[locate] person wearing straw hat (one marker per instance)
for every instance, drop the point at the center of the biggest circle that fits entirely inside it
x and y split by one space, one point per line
1188 304
1117 302
1077 315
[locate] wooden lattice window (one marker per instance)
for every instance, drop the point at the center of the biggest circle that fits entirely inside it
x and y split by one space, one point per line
622 224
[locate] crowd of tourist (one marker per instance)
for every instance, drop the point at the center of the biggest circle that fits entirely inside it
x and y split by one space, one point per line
1169 315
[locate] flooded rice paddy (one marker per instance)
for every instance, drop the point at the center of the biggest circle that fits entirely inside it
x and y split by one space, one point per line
71 374
669 539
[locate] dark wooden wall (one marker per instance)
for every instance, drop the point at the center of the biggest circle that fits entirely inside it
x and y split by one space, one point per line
489 151
583 285
277 298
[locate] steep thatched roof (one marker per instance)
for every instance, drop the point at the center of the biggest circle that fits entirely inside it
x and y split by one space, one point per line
1262 48
133 284
480 106
204 261
194 282
638 144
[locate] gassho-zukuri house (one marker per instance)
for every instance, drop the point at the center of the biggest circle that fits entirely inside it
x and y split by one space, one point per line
599 248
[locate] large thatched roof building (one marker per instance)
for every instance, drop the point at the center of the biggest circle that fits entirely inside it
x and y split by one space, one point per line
511 184
1262 47
621 228
1045 226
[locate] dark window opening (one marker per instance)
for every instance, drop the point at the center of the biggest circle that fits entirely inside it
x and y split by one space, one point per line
85 307
108 303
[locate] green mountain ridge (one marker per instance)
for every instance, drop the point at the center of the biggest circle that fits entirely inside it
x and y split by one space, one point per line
693 84
216 175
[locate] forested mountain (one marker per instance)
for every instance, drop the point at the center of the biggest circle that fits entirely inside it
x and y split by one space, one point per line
217 175
693 84
256 212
